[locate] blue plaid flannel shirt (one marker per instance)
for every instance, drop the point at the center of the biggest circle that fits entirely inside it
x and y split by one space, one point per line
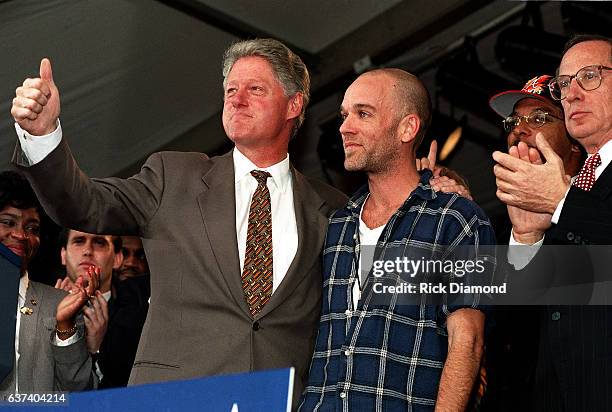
390 357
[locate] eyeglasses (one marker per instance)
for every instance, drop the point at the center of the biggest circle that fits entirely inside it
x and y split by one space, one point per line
589 78
537 118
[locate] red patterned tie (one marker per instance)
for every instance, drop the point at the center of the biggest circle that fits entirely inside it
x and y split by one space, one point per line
257 272
586 177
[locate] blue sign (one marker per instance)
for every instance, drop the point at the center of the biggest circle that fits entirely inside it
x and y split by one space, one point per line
266 391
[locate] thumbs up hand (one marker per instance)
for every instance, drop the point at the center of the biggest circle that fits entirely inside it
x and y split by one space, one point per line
36 105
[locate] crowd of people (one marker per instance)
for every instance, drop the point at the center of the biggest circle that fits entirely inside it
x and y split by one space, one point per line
255 266
83 333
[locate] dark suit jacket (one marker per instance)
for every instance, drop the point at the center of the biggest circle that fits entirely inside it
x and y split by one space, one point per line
574 368
127 312
587 216
183 206
43 366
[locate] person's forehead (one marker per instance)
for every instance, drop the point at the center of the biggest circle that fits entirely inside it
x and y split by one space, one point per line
584 54
30 213
369 89
250 67
75 233
131 243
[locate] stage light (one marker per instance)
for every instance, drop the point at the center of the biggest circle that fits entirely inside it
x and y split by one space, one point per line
452 141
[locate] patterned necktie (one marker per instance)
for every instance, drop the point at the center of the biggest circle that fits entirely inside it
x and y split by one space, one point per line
586 177
257 272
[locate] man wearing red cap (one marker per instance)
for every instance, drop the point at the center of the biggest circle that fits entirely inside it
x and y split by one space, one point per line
531 110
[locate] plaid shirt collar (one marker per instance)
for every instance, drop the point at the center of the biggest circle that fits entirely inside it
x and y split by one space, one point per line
423 190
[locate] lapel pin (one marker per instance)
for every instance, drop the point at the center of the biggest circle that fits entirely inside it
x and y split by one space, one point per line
26 311
34 302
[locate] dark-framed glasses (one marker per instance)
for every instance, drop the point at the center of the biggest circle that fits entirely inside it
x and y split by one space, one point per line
537 118
589 78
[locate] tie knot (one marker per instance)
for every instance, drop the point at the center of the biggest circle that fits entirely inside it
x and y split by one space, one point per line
586 178
593 162
261 176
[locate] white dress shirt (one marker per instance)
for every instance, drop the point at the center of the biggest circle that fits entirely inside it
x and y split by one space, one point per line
23 287
605 152
38 147
284 228
520 257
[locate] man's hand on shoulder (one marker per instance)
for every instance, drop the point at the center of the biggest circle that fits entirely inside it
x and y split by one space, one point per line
36 106
443 179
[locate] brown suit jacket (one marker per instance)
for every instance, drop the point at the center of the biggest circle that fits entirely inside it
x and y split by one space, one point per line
43 366
183 206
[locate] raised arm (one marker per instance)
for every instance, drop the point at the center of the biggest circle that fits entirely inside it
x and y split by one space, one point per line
112 206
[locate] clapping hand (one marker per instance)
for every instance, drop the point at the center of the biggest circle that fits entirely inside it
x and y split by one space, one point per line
525 182
78 296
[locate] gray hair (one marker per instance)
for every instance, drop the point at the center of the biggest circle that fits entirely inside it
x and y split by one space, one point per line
290 70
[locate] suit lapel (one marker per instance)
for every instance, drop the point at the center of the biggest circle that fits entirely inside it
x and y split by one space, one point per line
29 338
218 208
311 224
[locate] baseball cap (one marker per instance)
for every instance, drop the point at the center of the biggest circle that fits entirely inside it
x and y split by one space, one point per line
536 88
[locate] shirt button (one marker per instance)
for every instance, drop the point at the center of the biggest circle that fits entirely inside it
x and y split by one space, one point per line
555 316
355 236
347 312
347 352
343 395
570 236
256 326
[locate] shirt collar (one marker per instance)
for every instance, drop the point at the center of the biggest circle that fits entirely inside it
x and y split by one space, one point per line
606 154
280 171
107 295
423 190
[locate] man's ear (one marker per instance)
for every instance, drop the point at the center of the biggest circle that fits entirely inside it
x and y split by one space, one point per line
408 127
296 102
63 255
118 260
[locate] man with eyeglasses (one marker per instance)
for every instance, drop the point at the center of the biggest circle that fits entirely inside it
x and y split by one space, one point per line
575 357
